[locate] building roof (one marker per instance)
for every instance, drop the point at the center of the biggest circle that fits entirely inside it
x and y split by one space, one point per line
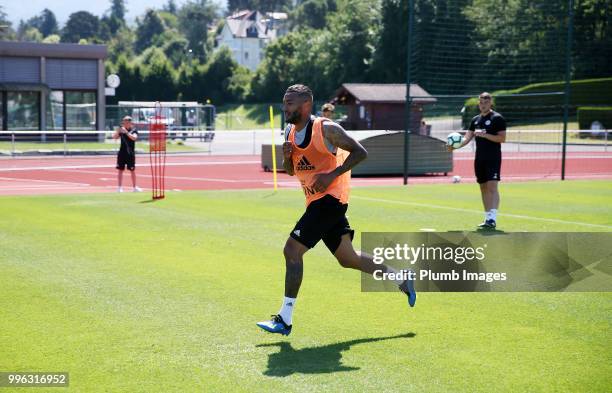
383 92
245 23
35 49
277 15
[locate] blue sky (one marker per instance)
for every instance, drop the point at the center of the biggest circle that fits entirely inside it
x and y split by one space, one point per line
20 9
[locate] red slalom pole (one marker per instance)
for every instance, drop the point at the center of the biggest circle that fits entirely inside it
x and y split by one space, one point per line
157 153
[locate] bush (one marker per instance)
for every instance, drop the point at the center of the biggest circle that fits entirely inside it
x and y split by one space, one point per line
530 109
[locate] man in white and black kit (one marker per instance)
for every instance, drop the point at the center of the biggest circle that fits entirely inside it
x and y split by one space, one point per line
489 128
127 152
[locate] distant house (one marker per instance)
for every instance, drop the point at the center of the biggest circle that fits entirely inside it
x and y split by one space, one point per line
247 33
378 106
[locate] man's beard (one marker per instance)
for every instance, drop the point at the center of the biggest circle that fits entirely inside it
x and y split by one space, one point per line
293 117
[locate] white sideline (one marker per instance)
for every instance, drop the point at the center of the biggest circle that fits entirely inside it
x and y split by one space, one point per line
93 166
45 181
480 212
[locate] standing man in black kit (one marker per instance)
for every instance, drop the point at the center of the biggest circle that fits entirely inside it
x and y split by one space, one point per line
489 128
127 152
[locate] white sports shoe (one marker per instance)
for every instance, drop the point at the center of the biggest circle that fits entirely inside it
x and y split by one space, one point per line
137 189
120 189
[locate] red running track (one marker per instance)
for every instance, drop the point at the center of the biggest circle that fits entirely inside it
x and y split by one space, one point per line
87 174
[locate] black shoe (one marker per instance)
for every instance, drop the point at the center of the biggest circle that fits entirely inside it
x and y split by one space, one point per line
488 224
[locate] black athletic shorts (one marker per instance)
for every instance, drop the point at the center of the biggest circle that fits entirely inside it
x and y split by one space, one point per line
126 160
324 219
487 169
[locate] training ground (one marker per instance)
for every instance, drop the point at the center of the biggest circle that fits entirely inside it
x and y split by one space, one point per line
130 295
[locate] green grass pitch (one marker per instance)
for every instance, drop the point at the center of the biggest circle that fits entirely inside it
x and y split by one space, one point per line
130 296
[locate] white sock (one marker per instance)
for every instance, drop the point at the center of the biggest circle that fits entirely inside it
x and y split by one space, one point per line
398 281
286 311
493 213
487 216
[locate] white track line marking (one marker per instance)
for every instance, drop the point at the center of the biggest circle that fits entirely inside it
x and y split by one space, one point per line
93 166
70 183
528 156
45 188
431 206
148 175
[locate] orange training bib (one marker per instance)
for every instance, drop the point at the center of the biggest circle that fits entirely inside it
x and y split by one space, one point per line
315 159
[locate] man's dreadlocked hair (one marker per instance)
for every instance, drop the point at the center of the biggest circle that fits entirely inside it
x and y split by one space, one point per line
302 91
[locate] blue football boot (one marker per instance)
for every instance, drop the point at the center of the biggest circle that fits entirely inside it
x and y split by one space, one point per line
408 288
275 325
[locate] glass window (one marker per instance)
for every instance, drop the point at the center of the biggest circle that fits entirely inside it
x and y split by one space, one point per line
1 110
23 110
55 110
80 110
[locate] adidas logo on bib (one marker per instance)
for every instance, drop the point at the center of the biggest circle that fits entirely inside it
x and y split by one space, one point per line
305 165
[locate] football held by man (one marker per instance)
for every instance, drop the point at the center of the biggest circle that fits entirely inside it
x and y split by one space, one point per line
320 154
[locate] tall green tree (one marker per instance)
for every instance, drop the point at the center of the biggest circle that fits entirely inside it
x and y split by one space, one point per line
275 73
312 13
45 23
389 63
175 48
218 73
592 46
221 80
81 25
350 46
170 20
194 18
190 81
239 84
121 44
118 10
147 30
48 24
131 81
442 51
6 29
113 20
522 42
170 7
158 76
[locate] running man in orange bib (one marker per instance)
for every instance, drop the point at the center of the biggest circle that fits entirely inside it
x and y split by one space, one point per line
320 154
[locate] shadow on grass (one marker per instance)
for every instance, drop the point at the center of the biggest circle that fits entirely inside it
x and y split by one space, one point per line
273 193
314 360
490 232
150 200
483 232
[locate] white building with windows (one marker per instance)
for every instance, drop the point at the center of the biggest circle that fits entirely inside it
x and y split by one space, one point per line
247 33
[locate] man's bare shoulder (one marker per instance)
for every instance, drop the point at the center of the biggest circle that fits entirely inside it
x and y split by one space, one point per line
330 126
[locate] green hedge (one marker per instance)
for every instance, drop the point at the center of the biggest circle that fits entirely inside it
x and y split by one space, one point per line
587 115
540 109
